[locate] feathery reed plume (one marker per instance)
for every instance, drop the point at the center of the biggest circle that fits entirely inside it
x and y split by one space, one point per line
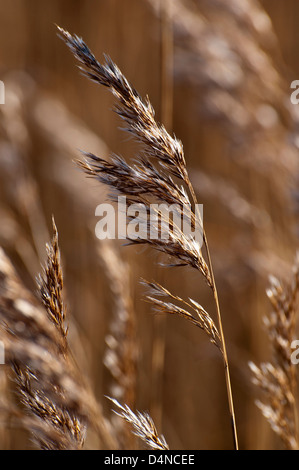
277 379
33 347
58 403
143 426
50 285
144 182
138 115
225 53
121 341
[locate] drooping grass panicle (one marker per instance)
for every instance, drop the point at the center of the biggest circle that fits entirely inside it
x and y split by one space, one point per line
199 317
167 152
138 114
143 426
57 418
143 181
144 185
139 180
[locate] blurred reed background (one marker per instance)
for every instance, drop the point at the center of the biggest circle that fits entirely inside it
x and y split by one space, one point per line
218 73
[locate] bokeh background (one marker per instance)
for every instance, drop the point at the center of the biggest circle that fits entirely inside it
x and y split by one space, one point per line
219 73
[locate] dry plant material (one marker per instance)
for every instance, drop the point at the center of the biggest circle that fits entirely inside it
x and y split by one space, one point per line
57 404
33 348
224 51
143 426
277 379
24 200
151 177
121 352
226 56
50 285
199 317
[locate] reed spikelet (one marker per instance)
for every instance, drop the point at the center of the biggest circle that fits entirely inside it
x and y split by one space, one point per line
150 179
199 317
50 285
277 378
143 426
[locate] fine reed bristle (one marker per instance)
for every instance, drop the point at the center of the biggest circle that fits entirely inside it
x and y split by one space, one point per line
277 378
143 426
